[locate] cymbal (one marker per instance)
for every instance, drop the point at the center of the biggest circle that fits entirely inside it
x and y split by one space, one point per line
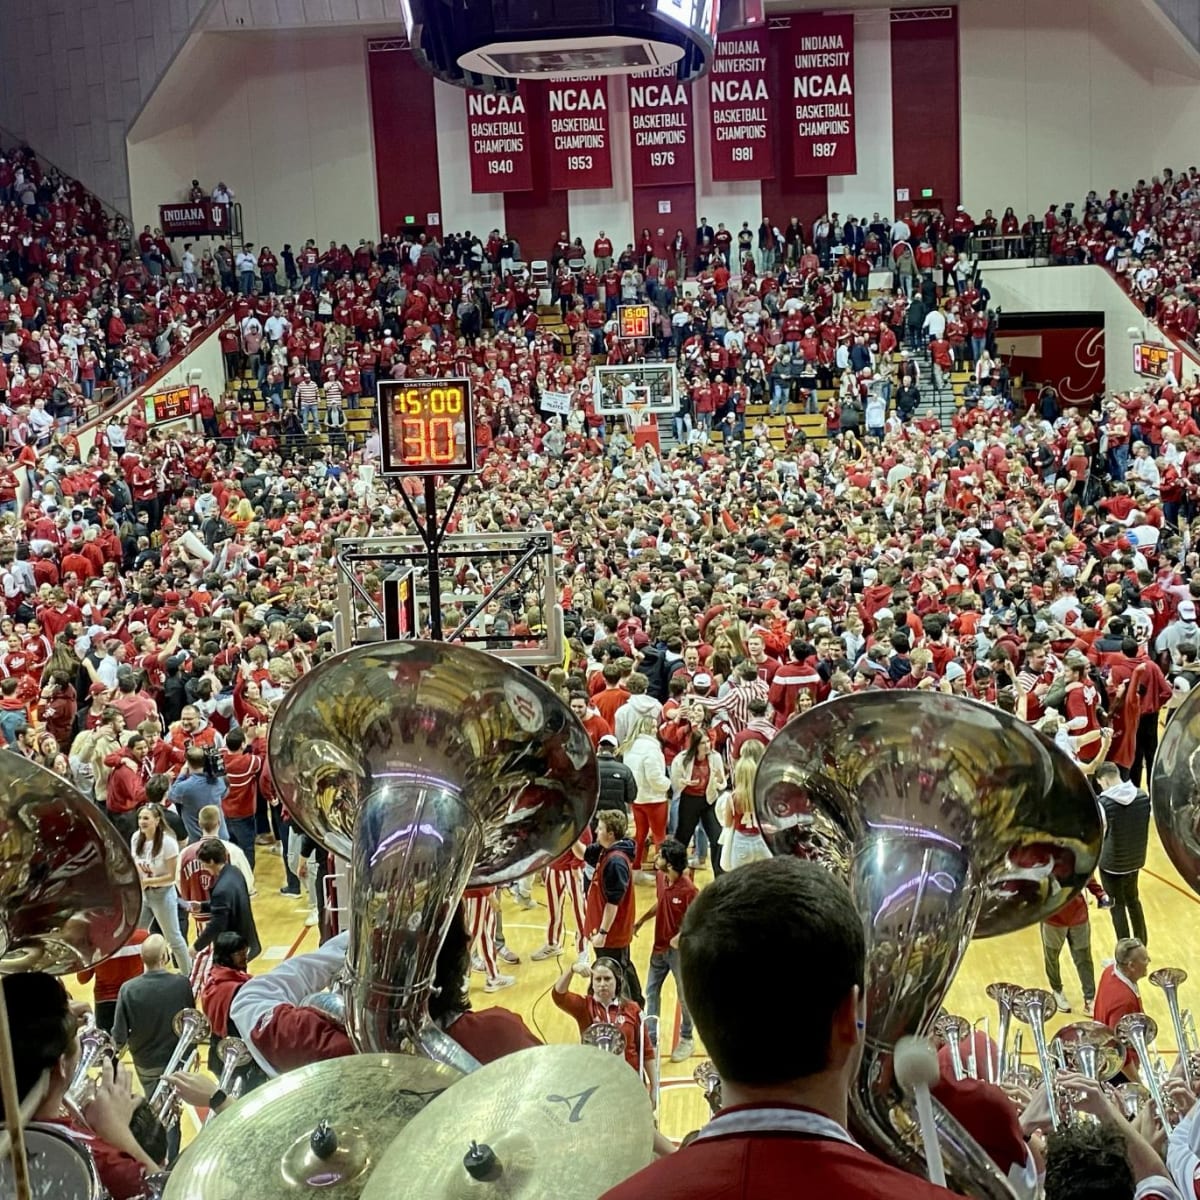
319 1130
562 1121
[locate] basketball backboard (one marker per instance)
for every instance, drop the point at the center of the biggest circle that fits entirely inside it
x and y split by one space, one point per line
615 389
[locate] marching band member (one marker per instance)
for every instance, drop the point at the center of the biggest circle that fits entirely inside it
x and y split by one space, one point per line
46 1047
282 1032
785 1100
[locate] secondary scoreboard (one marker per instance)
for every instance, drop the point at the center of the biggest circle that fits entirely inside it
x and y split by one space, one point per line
427 427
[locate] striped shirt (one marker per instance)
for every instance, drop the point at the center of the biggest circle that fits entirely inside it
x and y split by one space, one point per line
734 705
307 392
333 392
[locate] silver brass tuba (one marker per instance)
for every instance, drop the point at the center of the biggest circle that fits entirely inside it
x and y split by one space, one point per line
1175 789
949 820
430 767
1169 979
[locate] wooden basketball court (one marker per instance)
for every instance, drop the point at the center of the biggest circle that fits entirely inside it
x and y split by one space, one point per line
1016 958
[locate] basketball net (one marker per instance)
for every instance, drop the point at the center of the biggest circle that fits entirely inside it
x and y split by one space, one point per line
637 413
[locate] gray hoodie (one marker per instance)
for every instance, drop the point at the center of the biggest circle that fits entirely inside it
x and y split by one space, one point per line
632 711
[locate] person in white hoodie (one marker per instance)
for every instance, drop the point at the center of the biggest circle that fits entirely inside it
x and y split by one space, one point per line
643 755
638 705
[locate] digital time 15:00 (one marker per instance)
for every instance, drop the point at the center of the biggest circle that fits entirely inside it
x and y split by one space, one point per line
427 424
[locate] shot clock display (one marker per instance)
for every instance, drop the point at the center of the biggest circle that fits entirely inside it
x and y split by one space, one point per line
427 427
633 320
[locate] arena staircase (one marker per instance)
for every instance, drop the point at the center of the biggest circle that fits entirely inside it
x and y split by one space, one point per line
358 419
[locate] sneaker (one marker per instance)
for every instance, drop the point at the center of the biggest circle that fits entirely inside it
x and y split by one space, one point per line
1062 1002
287 891
312 918
264 839
547 951
504 954
498 982
682 1051
476 963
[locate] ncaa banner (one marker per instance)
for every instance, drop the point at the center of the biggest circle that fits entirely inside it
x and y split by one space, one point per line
740 116
660 129
498 142
580 145
819 72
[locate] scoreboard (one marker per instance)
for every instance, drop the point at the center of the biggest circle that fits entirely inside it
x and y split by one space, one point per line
1154 360
427 427
633 321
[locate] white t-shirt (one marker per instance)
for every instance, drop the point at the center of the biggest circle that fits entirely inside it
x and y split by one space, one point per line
147 858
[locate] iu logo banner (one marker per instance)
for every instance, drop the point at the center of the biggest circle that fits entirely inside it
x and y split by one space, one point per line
740 112
819 70
498 142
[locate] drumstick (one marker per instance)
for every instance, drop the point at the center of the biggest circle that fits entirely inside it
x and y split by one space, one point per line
917 1070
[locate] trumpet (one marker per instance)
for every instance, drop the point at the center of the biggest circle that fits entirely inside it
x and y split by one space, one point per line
951 1030
1089 1048
95 1047
1169 979
1138 1030
191 1027
1003 994
1031 1005
605 1036
710 1084
233 1055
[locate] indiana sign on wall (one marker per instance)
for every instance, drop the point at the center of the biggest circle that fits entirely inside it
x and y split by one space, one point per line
660 129
820 72
499 142
580 147
740 109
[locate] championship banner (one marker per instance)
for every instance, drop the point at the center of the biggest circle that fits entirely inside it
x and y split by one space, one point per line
819 69
580 145
498 142
739 109
660 129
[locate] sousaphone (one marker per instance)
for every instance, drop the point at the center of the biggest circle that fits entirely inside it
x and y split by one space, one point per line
70 897
949 819
431 768
1175 790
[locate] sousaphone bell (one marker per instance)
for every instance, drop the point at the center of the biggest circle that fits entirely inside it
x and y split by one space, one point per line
430 767
949 819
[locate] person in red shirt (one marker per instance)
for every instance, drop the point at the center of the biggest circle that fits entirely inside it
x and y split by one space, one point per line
607 1004
674 893
240 804
784 1114
108 976
1118 995
39 1006
610 898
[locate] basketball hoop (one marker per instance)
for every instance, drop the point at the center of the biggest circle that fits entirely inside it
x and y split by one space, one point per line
637 413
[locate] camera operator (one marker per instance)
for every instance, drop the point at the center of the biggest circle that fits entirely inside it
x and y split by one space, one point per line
201 782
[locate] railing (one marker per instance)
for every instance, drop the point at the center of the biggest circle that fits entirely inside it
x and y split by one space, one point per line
86 432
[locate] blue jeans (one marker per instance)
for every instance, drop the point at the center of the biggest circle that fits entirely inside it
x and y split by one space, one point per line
662 965
162 903
247 282
241 834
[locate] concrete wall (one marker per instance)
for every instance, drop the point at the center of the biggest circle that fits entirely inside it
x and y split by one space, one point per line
1050 289
283 120
75 73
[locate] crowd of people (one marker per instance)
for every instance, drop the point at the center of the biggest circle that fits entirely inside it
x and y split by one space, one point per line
164 590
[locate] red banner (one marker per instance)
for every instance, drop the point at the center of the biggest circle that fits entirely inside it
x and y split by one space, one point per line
820 74
498 142
580 145
660 129
739 109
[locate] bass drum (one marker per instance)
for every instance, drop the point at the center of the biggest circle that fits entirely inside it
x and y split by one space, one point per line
60 1167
